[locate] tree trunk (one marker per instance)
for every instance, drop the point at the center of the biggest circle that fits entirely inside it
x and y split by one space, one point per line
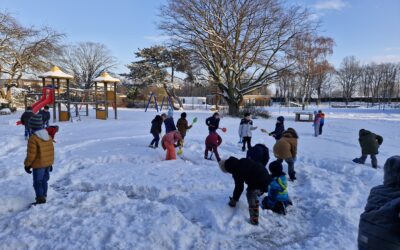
233 108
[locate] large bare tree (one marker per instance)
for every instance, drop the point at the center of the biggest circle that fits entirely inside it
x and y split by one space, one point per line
86 61
349 75
241 44
25 50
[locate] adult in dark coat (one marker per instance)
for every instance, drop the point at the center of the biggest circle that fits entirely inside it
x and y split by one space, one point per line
254 174
369 143
45 116
213 122
155 130
379 226
26 116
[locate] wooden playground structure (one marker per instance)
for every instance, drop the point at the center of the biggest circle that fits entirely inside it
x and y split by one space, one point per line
101 97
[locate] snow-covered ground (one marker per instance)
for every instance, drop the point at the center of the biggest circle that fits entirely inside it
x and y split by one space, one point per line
109 190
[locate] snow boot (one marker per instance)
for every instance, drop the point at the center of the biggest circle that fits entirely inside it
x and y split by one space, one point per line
280 208
254 213
292 177
39 200
151 146
357 160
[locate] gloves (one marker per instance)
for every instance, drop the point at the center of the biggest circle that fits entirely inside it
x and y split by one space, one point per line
28 169
51 168
232 202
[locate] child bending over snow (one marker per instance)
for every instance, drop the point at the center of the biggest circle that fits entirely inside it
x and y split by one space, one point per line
169 141
278 198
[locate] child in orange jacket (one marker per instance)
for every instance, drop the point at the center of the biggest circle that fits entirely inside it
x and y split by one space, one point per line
168 143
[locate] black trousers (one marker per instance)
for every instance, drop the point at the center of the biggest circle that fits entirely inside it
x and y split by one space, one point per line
247 140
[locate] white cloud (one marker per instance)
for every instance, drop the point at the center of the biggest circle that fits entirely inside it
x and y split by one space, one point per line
386 59
330 5
392 49
157 39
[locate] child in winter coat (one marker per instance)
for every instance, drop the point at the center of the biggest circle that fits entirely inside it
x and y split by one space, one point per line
370 144
213 122
322 122
169 141
279 128
259 153
45 115
254 174
317 123
278 198
25 121
245 128
379 226
213 141
183 125
155 130
40 158
286 150
168 122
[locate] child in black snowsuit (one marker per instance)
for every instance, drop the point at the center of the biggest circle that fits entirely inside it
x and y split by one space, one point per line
155 130
26 116
254 174
279 128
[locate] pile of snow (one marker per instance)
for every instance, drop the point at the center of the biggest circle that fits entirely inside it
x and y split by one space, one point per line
109 190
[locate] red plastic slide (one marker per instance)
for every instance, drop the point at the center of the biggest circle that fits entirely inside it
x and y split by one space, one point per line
49 99
41 99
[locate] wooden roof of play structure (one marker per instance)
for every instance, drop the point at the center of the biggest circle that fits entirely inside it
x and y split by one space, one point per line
55 72
106 78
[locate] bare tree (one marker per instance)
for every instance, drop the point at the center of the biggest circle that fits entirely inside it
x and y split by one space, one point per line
311 65
348 76
86 61
322 74
24 50
240 43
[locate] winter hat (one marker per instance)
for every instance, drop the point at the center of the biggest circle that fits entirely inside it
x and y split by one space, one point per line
280 119
216 114
29 108
391 175
258 153
170 112
221 164
36 122
164 115
246 114
183 115
46 107
276 168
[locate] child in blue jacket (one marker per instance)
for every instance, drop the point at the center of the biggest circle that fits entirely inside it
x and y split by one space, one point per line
278 197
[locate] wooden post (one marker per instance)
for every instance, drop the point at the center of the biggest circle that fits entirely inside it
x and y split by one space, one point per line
105 99
87 109
95 96
115 101
54 103
76 110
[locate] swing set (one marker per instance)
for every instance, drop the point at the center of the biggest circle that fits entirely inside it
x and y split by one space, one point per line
166 100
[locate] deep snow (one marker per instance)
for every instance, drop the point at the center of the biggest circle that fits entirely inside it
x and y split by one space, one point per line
109 190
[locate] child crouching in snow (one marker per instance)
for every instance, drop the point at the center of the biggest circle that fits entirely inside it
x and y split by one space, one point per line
169 141
40 158
213 141
278 198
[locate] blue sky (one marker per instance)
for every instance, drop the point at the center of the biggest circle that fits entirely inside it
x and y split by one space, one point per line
367 29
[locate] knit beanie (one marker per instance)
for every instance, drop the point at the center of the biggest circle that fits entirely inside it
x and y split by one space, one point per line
36 122
276 168
391 169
